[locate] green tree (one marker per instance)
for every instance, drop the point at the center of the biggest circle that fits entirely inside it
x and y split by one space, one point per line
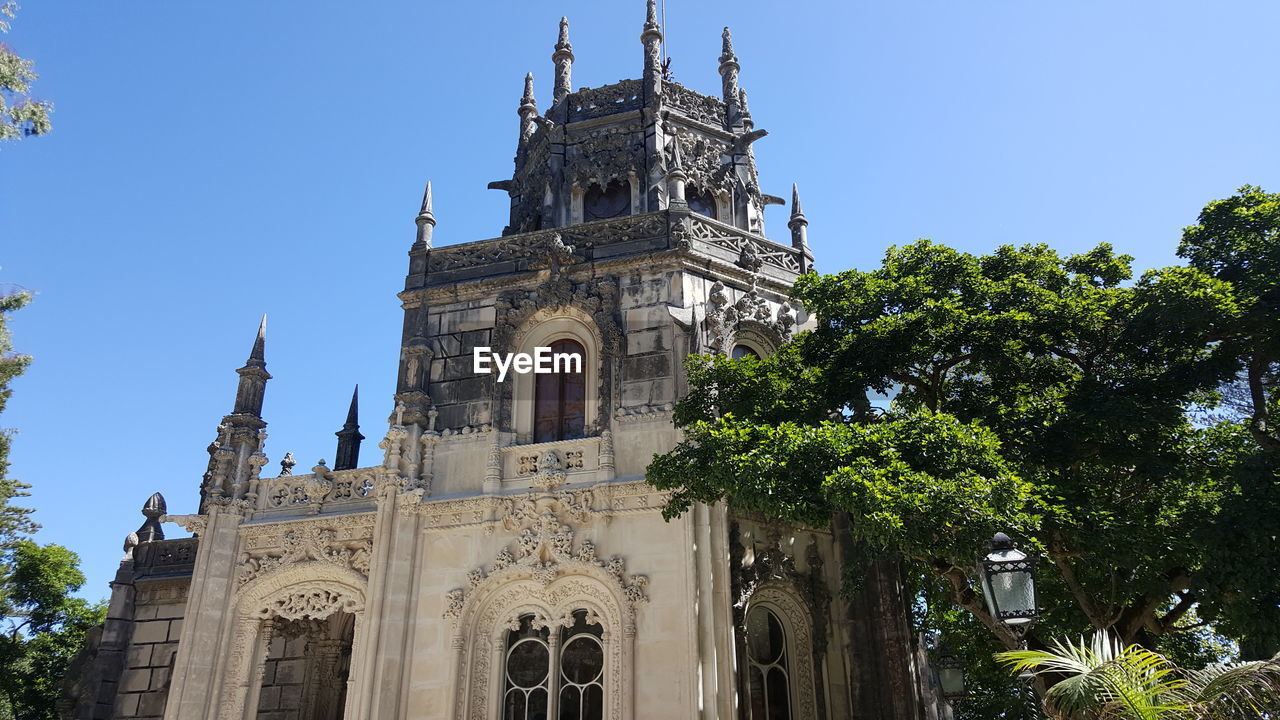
20 114
44 626
14 521
1108 679
1051 397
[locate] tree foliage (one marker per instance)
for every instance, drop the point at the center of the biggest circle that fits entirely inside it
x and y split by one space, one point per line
21 115
1051 397
42 625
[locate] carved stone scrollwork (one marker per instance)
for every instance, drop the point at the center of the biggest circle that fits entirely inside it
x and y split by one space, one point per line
544 552
612 153
694 105
551 472
702 160
308 542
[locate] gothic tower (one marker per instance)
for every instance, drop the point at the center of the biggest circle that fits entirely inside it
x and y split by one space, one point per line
504 557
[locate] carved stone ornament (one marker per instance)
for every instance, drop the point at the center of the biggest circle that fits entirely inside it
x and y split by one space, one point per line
611 153
310 541
544 551
751 318
194 524
702 160
550 473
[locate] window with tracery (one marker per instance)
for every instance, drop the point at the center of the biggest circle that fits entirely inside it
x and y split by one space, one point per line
769 679
560 398
610 201
563 679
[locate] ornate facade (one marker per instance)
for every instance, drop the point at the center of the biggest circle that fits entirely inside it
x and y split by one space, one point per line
504 557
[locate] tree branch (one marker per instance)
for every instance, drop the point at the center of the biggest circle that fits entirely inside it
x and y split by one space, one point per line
1259 424
1077 590
964 596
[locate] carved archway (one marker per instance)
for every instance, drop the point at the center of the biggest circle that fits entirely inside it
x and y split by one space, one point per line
311 590
782 599
501 599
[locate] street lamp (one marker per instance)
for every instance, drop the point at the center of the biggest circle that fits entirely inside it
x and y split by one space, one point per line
1009 587
1009 584
950 673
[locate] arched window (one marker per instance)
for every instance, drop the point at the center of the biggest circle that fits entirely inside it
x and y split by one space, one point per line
610 201
769 680
564 680
701 202
560 398
528 670
741 351
581 670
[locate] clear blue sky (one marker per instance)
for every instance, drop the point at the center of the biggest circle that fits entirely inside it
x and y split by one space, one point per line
214 161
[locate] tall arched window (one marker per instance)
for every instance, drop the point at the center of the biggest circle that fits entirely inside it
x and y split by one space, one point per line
564 680
560 398
610 201
769 679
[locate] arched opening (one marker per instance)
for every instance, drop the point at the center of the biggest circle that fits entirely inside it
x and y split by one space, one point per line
306 667
768 679
601 203
740 351
701 202
560 675
560 397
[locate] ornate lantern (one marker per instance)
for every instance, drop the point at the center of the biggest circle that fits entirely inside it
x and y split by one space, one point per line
950 673
1009 584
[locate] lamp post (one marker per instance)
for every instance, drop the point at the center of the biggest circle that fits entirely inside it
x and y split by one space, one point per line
1009 588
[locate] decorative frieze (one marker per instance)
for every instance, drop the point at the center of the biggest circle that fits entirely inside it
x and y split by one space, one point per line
345 542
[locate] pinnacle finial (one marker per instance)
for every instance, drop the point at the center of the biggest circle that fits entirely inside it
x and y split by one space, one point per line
796 210
425 212
726 45
257 356
562 43
651 13
353 412
528 98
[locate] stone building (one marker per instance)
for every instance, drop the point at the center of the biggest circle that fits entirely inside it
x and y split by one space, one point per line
504 557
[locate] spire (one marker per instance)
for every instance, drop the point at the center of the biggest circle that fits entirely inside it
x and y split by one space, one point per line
253 376
651 38
349 437
257 356
729 78
799 225
426 221
528 111
562 58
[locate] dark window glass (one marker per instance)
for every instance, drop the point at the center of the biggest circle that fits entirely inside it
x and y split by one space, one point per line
560 399
581 670
701 202
611 201
768 683
528 666
741 351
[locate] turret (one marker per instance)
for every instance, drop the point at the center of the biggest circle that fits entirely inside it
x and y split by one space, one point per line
729 79
426 221
563 60
349 437
799 225
651 38
235 455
